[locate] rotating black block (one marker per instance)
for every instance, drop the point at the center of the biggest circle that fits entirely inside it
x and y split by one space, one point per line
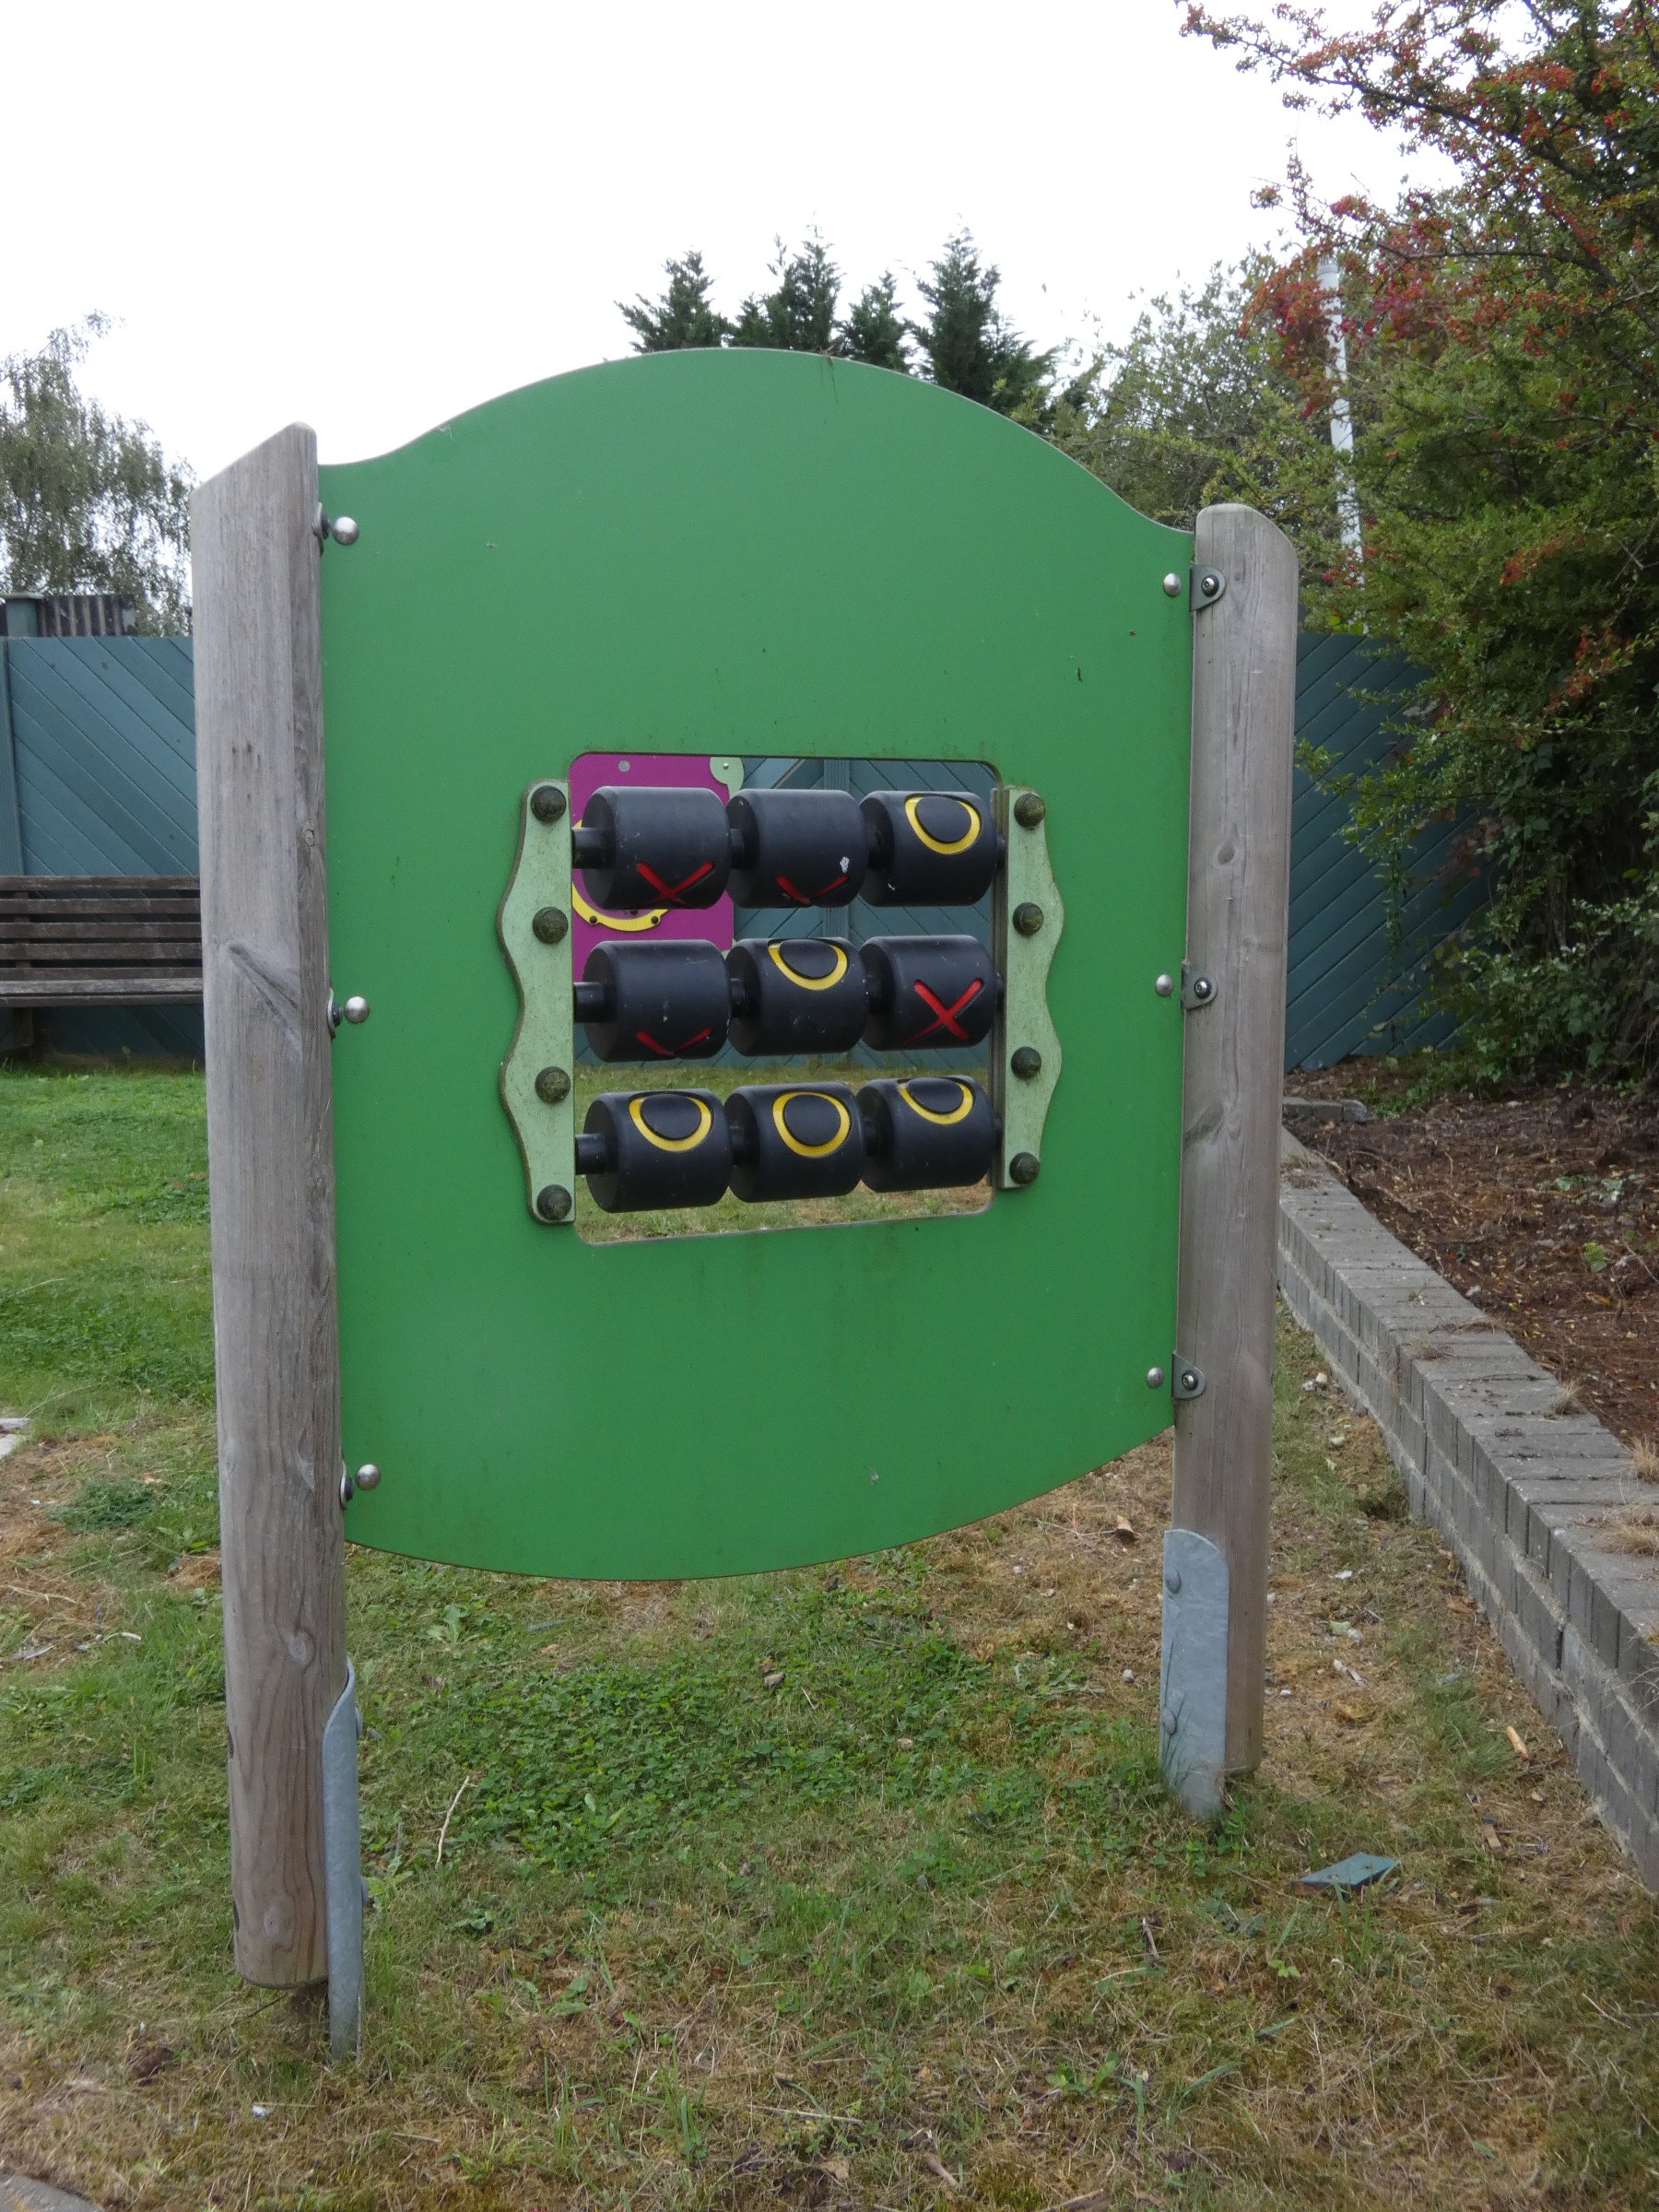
797 848
929 993
926 1133
929 848
795 1140
649 845
669 1000
796 994
645 1149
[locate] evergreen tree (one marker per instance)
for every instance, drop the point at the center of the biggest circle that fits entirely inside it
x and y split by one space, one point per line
968 344
87 502
875 331
683 316
798 314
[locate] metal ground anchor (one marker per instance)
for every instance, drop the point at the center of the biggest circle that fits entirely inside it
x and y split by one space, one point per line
344 1897
1192 1696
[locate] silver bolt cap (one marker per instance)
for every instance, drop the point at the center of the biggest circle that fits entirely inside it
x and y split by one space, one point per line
343 530
368 1477
1155 1376
1164 986
356 1010
1171 584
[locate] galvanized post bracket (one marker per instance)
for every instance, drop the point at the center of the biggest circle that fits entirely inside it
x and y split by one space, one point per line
1192 1699
1186 1378
342 1895
539 1073
1197 990
1207 586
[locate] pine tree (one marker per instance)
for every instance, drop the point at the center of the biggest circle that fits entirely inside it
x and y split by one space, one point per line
875 331
798 314
683 316
970 345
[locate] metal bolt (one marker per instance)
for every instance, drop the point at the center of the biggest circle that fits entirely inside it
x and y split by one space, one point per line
546 802
552 1086
553 1203
1172 1581
1172 584
1164 986
1029 809
347 1487
1025 1168
1209 583
550 925
368 1477
1203 986
343 530
1027 1062
356 1010
1155 1376
1027 917
1189 1379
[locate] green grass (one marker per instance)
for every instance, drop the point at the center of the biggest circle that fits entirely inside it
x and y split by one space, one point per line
784 1891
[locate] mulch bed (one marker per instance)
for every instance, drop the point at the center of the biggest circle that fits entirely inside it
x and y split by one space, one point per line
1542 1208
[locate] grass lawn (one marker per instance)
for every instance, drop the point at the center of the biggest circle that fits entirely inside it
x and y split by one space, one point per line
848 1887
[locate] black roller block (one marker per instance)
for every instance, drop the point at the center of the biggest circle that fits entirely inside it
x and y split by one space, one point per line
796 994
648 845
929 993
794 1141
797 848
926 1133
660 1148
668 1000
929 848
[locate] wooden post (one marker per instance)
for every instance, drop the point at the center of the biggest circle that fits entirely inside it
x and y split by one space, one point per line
270 1155
1238 897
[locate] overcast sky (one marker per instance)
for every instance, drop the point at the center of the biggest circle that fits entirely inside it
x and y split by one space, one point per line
370 217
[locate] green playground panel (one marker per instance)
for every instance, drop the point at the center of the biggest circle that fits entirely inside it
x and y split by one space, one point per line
731 553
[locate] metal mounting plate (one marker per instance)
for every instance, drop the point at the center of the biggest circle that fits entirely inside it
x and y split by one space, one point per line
1192 1700
544 1035
1023 1023
343 1871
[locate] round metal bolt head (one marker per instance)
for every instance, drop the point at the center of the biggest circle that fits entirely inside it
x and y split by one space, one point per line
1029 809
1203 987
1027 917
1024 1169
367 1475
1165 986
1209 583
343 530
1172 584
546 802
1189 1381
1172 1581
552 1086
550 925
1027 1062
355 1010
553 1203
1155 1377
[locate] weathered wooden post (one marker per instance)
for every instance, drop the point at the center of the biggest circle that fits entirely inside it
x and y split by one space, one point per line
259 750
1245 615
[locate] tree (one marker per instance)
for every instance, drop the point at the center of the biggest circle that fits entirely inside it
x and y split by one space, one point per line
1505 333
683 316
968 345
798 314
875 331
88 502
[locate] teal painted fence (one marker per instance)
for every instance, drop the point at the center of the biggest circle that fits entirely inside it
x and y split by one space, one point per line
98 777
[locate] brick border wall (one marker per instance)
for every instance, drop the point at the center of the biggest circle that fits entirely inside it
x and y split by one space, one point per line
1519 1490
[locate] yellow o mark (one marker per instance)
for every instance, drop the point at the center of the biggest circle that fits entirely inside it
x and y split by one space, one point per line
809 982
628 922
705 1122
958 1113
831 1143
934 844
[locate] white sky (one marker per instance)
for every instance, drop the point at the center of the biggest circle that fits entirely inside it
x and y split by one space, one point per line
370 217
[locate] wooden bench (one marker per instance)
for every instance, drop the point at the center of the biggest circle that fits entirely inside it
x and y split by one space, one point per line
100 941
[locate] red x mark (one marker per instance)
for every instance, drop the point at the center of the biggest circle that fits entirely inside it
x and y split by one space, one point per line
670 1051
806 898
671 892
946 1015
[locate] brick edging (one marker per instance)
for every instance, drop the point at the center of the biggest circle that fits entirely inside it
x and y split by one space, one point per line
1518 1490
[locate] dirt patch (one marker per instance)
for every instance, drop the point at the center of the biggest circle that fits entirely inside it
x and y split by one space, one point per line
1542 1209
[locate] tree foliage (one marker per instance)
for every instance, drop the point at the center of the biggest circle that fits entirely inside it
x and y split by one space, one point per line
965 342
1503 335
88 502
